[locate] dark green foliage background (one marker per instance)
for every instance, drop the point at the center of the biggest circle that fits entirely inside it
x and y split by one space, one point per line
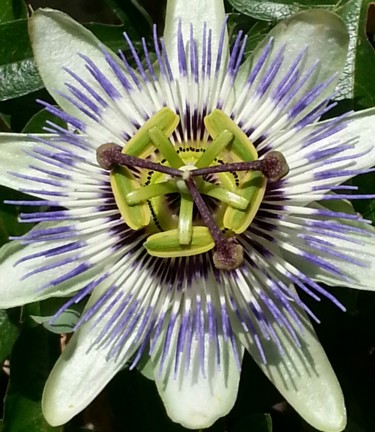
130 402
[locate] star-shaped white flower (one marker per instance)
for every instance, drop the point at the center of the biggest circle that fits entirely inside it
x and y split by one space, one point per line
149 251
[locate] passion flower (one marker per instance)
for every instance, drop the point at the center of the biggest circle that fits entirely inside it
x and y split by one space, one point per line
188 199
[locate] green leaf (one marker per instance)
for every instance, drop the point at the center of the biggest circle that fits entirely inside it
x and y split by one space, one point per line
18 111
65 322
132 15
253 423
9 224
140 409
356 82
269 10
18 72
8 334
11 10
4 123
111 35
256 34
365 183
32 357
38 121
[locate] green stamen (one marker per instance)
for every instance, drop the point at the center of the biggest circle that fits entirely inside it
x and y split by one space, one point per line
147 192
141 145
185 220
231 198
214 149
165 147
251 188
252 185
217 122
123 183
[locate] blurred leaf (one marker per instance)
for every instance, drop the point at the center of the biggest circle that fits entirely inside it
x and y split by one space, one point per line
32 357
269 10
12 10
350 344
256 34
253 423
9 224
65 322
256 395
111 35
366 185
135 403
73 428
254 29
133 16
20 110
38 121
355 82
18 72
4 123
8 335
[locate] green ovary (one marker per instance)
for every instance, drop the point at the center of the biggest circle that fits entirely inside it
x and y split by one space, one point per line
162 205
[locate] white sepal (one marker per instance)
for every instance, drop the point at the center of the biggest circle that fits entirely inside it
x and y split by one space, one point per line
303 375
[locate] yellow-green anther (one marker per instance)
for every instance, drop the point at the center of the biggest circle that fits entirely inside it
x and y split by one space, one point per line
123 183
252 185
218 121
167 244
227 181
166 148
150 191
231 198
141 145
185 219
214 149
252 188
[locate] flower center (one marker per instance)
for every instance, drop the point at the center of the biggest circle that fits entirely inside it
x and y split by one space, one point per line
193 199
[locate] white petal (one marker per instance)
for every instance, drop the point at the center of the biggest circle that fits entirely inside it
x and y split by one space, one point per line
360 132
15 291
193 398
47 167
358 248
324 37
195 13
304 376
57 40
80 373
111 332
317 165
323 32
14 159
361 277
